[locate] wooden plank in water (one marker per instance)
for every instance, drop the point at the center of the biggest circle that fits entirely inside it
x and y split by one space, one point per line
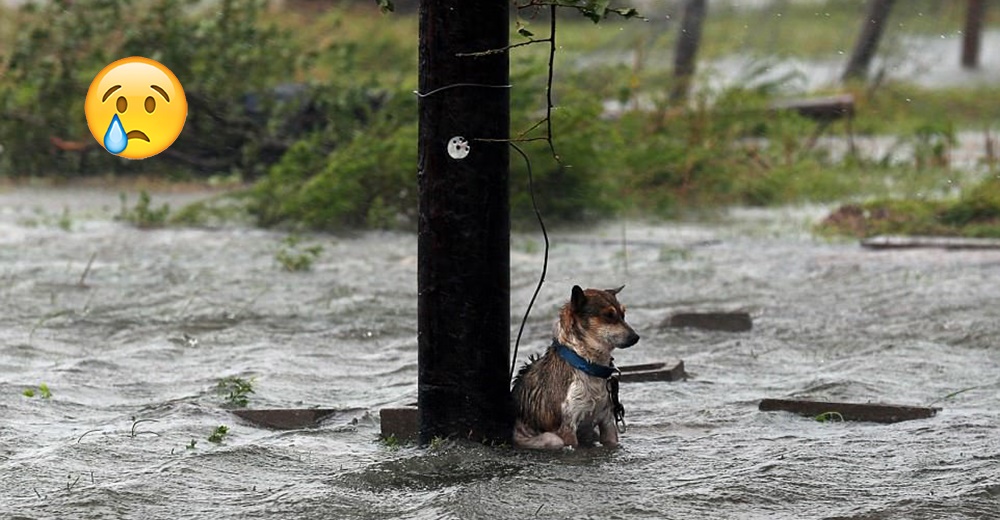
723 321
913 242
821 108
868 412
286 418
672 370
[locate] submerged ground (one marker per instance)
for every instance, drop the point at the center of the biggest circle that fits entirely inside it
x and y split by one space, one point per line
162 315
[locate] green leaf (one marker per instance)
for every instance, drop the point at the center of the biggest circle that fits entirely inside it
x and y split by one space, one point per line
522 28
42 392
626 12
386 6
238 390
596 9
594 17
830 417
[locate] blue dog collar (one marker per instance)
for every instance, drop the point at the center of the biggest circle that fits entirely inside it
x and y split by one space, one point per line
578 362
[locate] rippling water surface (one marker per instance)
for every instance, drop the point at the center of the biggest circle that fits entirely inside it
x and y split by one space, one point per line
162 315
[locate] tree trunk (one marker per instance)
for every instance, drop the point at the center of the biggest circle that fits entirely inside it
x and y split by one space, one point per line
876 15
972 36
686 55
463 244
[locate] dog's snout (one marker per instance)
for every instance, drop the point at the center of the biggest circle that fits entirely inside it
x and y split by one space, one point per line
632 339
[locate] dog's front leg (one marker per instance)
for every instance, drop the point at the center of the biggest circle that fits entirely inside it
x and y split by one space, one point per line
609 433
568 435
586 435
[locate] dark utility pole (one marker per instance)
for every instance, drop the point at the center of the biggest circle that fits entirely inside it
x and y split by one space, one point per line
464 227
972 36
687 48
872 26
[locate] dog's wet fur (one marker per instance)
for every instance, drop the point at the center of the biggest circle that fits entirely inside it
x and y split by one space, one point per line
558 405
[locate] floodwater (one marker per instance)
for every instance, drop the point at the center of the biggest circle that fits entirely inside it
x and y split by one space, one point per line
132 356
927 61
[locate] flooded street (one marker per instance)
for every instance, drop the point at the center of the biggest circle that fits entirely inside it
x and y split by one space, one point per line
132 349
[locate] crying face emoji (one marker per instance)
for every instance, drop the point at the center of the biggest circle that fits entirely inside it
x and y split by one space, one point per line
136 108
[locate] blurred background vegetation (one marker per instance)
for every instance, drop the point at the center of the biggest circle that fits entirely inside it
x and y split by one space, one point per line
307 108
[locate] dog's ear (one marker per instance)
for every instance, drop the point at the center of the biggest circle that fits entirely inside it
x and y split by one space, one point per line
615 291
579 300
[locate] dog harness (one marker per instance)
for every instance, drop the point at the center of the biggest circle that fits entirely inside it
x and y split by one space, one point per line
608 373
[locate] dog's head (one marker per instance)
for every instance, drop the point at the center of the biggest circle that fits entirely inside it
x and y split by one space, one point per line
595 316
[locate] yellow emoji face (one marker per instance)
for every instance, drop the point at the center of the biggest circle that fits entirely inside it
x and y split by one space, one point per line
135 108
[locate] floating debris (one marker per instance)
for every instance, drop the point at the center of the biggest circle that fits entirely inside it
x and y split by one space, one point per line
287 418
672 370
868 412
723 321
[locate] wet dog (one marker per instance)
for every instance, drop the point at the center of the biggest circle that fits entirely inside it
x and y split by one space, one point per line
569 395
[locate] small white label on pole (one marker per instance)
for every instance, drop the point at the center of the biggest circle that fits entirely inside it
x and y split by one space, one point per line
458 148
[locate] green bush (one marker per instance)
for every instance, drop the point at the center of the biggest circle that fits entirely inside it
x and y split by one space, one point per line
340 151
369 181
577 186
978 207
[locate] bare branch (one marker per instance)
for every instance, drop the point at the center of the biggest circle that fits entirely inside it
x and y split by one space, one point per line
548 86
502 49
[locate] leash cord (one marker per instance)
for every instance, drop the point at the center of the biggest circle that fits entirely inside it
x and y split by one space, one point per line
545 261
616 404
422 95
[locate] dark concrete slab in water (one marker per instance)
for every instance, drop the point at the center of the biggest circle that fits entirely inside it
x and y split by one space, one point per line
401 423
722 321
287 418
868 412
930 242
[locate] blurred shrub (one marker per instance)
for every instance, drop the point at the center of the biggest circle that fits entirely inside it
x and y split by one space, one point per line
978 210
369 181
320 115
579 186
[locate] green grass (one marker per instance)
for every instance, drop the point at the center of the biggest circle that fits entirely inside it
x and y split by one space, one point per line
295 257
905 109
976 213
825 30
392 443
143 215
383 47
